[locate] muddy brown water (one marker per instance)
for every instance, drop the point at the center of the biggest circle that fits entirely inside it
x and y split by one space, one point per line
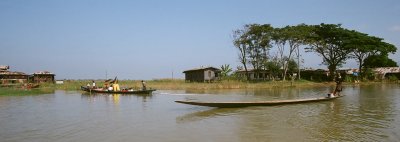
366 113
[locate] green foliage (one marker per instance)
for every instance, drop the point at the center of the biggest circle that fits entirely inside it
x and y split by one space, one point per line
364 46
330 41
292 66
393 78
273 66
225 71
374 61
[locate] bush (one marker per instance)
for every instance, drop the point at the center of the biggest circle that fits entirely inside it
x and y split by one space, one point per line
393 78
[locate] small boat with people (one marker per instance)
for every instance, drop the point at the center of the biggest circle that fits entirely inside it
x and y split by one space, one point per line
123 91
112 87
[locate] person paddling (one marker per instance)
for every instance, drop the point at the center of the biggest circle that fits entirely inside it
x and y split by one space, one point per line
143 85
338 87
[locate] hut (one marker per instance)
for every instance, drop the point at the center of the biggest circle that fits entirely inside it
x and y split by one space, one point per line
43 77
255 75
202 74
4 68
8 77
384 72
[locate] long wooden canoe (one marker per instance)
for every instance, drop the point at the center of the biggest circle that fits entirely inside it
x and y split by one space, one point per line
257 103
149 91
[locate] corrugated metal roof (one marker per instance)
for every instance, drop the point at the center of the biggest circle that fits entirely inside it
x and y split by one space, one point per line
12 73
202 68
385 70
43 72
4 67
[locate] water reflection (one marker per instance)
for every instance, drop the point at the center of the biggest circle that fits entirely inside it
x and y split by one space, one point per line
205 114
114 98
366 113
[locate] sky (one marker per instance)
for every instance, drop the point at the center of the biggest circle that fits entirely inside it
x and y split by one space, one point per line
149 39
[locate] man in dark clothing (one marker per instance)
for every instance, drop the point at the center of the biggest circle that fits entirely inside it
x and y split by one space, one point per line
338 87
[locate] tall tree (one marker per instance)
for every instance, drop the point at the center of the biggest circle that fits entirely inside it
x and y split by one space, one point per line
364 46
258 40
295 36
327 40
239 41
280 37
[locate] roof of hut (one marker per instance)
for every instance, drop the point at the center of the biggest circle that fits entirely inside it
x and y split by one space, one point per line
385 70
43 73
12 73
4 67
202 68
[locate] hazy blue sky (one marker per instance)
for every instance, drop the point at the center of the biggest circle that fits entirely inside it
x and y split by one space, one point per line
151 39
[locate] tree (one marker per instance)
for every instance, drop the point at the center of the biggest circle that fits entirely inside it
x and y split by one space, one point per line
239 41
273 66
280 37
375 61
225 70
292 66
295 36
327 40
258 40
364 46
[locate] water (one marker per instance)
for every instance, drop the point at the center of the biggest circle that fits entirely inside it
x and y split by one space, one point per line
366 113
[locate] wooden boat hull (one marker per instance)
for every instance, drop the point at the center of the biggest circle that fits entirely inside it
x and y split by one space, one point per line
117 92
257 103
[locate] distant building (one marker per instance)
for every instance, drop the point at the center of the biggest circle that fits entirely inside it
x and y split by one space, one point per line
381 73
8 77
4 68
254 74
203 74
59 81
43 77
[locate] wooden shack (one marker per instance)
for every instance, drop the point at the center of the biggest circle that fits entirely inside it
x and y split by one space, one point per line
255 75
43 77
202 74
4 68
385 72
8 77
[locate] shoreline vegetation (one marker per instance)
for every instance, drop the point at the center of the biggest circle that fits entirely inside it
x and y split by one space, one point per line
173 84
178 84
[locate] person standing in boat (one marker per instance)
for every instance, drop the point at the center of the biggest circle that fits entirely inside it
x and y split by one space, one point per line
93 84
338 87
143 85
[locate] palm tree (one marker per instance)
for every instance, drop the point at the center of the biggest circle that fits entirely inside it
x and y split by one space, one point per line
225 70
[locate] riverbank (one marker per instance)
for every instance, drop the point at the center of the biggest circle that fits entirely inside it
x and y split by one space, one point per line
10 91
176 84
169 84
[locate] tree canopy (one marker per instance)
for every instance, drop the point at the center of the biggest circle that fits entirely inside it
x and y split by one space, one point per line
333 43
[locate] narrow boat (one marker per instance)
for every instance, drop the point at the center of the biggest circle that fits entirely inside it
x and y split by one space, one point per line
87 89
257 103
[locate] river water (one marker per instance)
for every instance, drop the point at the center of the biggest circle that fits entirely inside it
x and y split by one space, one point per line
366 113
